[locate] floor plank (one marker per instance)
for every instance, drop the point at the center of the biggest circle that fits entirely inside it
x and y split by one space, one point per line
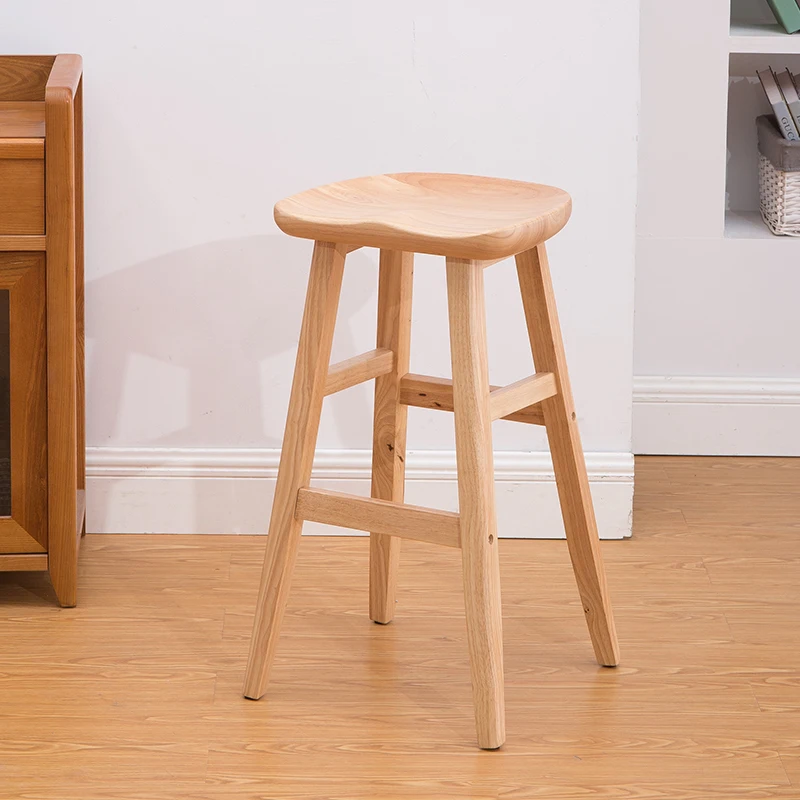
135 694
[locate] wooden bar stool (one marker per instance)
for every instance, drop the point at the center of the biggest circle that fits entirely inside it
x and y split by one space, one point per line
473 222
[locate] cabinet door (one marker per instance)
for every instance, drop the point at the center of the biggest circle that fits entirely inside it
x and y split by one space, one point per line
23 404
22 198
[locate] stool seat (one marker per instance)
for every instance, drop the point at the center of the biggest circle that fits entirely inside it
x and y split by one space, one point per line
461 216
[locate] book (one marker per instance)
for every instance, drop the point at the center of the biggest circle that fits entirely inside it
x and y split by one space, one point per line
776 99
787 12
789 91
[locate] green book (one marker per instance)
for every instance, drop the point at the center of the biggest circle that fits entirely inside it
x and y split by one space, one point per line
787 12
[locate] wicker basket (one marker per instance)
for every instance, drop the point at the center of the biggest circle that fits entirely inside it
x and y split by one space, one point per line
778 179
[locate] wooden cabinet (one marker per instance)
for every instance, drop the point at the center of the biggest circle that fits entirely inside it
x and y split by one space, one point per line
42 441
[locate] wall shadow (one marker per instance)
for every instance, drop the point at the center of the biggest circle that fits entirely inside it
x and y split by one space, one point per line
179 342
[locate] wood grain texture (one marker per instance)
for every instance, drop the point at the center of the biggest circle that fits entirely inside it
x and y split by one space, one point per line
360 368
80 334
14 539
395 284
65 76
297 455
22 196
492 262
437 393
462 216
22 120
23 78
23 562
135 693
23 275
21 148
560 419
22 244
385 517
479 546
62 328
521 394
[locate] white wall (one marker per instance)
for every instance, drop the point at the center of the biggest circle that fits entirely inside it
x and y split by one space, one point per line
200 115
717 362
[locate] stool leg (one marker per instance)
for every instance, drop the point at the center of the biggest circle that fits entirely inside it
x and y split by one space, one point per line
297 455
389 426
476 497
565 447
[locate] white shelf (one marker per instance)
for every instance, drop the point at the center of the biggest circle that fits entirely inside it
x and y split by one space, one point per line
753 37
749 225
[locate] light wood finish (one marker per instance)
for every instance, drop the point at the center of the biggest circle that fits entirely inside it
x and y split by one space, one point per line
360 368
437 393
134 693
474 222
22 196
23 562
297 455
523 393
62 330
14 539
492 262
29 434
21 148
391 518
395 283
65 76
23 78
479 546
22 120
80 354
426 391
41 115
23 244
565 447
23 276
451 215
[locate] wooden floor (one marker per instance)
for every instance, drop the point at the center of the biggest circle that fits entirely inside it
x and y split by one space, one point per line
136 693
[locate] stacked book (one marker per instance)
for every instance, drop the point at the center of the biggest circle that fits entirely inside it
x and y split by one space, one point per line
781 91
787 12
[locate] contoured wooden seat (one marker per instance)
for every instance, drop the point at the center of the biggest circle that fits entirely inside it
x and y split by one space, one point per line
462 216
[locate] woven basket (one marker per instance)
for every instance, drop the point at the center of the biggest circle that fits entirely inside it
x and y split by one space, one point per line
778 179
780 198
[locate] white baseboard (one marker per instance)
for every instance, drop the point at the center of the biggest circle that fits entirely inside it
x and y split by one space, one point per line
716 416
198 490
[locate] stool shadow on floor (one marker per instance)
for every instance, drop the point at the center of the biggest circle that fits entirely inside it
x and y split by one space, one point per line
178 350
